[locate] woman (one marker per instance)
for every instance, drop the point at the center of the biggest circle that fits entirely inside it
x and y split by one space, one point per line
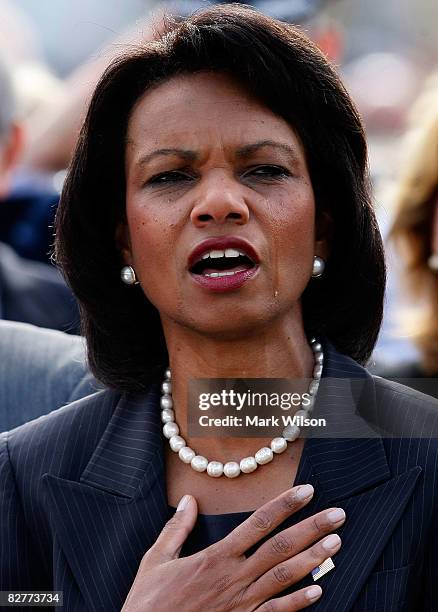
230 133
415 232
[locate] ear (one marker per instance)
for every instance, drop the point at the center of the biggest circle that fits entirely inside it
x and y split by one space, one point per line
123 243
10 153
324 231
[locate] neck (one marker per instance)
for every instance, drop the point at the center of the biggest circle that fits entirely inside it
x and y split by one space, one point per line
282 351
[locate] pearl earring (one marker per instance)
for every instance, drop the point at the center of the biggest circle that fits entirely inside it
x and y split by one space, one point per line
318 267
432 262
127 274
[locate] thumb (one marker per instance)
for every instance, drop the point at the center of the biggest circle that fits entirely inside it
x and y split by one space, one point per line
176 530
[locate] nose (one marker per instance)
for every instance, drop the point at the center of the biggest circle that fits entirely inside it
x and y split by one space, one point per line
219 200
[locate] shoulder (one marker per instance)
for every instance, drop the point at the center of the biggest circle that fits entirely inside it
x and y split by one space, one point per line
407 372
40 370
404 369
39 342
408 423
35 292
61 444
402 398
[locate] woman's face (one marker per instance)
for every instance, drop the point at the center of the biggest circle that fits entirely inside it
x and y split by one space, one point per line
206 162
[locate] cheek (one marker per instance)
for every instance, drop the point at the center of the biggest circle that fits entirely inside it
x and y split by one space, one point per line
151 245
293 226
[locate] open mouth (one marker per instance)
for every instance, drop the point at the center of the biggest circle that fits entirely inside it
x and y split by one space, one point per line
217 262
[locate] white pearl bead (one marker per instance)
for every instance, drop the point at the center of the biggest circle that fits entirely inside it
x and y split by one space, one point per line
170 429
215 469
166 402
177 443
199 463
264 455
166 387
301 414
167 415
231 469
317 370
313 387
319 358
186 454
310 404
278 445
312 340
248 465
291 433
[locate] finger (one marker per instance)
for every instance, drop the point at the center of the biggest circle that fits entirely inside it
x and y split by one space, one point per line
265 519
293 540
169 542
292 570
295 601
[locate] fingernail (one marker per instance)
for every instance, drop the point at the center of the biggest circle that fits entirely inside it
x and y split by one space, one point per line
331 542
183 503
313 592
335 516
304 492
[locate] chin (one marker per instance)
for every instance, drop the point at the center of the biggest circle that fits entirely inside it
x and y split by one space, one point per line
226 327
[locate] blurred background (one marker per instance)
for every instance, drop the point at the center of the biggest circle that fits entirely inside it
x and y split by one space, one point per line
387 54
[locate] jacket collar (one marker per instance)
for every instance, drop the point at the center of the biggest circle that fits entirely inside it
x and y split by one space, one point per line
131 443
121 494
133 439
346 393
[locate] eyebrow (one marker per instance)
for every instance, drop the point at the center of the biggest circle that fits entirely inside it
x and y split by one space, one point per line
245 151
185 154
250 149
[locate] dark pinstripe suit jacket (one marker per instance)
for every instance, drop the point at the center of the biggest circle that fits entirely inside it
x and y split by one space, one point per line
83 497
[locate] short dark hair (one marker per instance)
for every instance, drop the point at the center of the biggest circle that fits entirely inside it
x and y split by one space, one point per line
283 69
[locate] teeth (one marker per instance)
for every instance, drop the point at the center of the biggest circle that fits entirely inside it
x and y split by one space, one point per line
214 274
215 254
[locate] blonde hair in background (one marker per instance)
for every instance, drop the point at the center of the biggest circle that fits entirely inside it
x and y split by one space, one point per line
415 203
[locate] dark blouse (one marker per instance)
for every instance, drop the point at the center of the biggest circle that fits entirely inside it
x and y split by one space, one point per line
210 528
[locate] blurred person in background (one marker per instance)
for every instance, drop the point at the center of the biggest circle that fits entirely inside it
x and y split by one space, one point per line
414 233
30 291
28 203
40 370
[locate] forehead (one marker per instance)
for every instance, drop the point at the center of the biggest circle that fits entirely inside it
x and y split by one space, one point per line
200 106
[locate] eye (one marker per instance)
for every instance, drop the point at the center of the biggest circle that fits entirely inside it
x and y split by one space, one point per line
166 178
269 172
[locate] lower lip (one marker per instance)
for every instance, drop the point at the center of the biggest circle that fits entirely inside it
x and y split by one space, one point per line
225 283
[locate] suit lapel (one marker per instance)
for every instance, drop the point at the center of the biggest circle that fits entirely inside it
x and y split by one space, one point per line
352 473
107 520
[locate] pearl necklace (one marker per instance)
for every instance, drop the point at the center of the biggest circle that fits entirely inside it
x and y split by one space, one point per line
231 469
